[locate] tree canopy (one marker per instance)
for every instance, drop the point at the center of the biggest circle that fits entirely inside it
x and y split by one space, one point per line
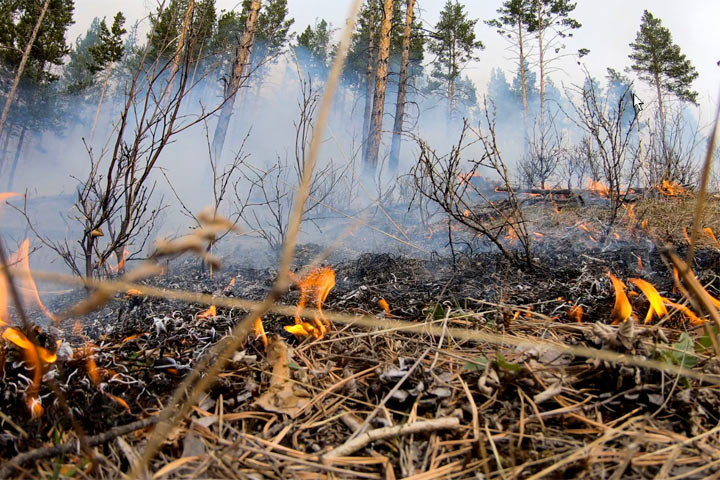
659 61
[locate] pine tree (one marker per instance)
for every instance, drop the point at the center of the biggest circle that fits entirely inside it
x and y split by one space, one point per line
76 75
659 62
238 75
316 43
402 87
110 46
454 44
49 48
381 77
36 108
273 26
550 22
169 21
511 24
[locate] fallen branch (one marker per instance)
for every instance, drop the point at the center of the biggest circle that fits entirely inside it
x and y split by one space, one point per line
352 446
72 446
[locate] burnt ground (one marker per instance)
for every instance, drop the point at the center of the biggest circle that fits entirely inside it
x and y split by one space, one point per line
520 411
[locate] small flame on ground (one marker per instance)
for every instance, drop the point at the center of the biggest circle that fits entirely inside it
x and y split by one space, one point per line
315 286
622 308
132 292
685 234
657 307
575 312
672 189
708 231
27 287
694 319
210 312
35 356
598 188
260 331
385 306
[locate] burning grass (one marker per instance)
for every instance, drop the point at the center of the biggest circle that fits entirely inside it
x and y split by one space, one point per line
432 404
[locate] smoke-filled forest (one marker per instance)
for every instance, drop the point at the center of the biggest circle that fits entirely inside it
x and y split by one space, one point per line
238 246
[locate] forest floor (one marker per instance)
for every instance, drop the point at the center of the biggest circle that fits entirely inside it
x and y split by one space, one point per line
506 372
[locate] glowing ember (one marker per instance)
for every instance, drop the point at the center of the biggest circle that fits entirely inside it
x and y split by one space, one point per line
210 312
385 306
598 188
314 286
27 287
622 309
657 307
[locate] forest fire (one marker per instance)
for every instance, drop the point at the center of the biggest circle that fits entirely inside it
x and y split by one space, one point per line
314 287
491 275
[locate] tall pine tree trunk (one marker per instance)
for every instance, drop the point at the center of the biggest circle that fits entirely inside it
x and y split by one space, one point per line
241 60
402 89
380 87
370 80
541 53
523 74
661 111
177 58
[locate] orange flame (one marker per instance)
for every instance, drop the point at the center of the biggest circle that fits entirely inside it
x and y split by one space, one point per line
598 188
622 308
27 287
694 319
672 189
36 356
575 313
708 231
685 234
385 306
132 292
657 307
260 331
315 286
121 263
210 312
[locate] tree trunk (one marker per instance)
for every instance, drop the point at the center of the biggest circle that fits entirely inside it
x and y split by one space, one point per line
177 59
661 111
16 160
26 54
402 89
236 79
380 88
523 80
542 62
370 80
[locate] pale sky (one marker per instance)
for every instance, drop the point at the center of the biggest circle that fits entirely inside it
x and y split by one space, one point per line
608 27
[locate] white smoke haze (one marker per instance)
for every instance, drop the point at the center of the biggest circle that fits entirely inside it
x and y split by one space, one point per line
266 113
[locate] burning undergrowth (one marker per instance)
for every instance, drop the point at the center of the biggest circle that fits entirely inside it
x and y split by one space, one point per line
519 408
